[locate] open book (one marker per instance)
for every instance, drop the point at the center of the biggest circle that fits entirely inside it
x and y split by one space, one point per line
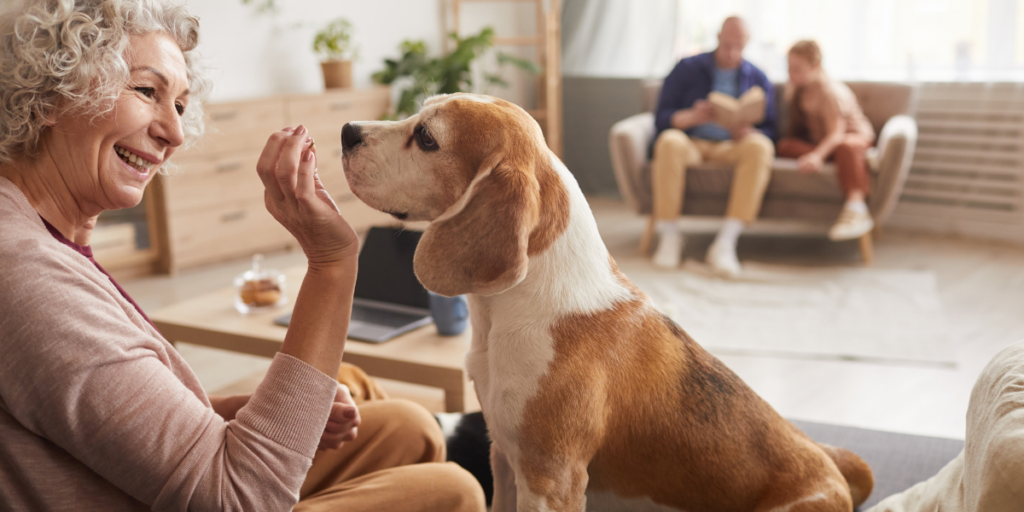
730 112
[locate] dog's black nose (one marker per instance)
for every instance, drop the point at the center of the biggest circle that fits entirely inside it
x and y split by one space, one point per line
351 136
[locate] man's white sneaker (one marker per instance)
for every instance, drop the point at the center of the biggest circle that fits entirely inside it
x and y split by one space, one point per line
851 224
723 261
670 249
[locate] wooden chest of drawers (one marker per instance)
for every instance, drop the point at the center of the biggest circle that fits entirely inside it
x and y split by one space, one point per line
211 207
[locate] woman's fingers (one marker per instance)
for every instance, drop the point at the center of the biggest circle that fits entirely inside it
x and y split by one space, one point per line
342 422
351 435
334 441
285 166
288 164
343 413
266 166
339 424
305 186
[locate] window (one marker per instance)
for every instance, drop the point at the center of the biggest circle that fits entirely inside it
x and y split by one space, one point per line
927 40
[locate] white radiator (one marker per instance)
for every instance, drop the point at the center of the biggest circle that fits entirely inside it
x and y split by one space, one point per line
967 175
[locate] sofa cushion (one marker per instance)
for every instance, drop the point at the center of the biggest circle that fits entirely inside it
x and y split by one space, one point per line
881 101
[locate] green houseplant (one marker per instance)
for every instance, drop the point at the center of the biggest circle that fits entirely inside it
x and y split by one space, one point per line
418 76
334 45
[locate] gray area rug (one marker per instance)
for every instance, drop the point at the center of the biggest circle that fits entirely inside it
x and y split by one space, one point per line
847 313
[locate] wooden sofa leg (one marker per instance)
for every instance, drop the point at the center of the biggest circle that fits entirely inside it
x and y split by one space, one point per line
645 240
867 249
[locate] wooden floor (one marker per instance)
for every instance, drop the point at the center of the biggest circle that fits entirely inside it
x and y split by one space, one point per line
981 285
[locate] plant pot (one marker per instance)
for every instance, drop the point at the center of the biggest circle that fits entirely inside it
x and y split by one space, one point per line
337 74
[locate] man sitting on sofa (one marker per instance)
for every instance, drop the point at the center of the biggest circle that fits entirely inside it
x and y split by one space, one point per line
686 135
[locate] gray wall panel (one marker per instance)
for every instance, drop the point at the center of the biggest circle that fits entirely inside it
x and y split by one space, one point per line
591 107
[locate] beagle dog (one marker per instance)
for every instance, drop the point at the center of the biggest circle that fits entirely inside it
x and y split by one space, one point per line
594 399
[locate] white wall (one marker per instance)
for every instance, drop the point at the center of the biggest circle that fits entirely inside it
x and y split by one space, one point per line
252 55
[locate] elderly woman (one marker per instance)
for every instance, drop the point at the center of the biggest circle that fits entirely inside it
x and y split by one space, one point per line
825 122
97 410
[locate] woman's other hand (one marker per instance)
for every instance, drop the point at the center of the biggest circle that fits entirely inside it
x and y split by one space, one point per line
295 197
343 422
810 163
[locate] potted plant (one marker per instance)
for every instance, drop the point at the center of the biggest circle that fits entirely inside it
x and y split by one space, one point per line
336 50
416 76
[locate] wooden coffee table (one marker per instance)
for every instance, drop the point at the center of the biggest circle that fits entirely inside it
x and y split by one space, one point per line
419 357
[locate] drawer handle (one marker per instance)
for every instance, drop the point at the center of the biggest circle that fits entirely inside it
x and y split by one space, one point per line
341 105
224 116
230 166
346 197
231 217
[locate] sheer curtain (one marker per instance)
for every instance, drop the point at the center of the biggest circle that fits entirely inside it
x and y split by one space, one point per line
618 38
926 40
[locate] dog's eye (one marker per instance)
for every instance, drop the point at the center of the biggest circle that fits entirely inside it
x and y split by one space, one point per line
426 142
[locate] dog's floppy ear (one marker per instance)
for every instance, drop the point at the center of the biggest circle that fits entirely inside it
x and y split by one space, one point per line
480 244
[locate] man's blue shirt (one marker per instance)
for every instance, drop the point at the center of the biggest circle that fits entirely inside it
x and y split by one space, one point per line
725 81
693 78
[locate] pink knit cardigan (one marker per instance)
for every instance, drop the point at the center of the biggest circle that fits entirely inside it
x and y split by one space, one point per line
99 412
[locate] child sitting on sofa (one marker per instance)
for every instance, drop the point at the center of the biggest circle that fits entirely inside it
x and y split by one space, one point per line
826 122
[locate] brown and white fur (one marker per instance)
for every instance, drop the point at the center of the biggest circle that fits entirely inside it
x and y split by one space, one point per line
593 398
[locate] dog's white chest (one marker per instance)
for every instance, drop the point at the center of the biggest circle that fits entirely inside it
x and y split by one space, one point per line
507 363
513 342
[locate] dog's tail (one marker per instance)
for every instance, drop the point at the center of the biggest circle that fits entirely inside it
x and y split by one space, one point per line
856 472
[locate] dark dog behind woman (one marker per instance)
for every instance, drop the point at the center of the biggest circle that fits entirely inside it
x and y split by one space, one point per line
825 122
97 410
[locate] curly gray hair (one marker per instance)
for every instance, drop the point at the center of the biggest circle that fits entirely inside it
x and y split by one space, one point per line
70 55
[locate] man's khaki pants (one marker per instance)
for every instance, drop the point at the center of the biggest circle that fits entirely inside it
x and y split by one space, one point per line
396 463
674 151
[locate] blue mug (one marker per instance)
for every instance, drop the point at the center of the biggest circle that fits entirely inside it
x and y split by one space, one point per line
451 314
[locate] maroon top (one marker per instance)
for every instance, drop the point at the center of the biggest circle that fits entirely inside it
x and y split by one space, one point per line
86 251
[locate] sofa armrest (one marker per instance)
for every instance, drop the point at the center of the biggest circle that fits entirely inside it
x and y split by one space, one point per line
891 161
628 142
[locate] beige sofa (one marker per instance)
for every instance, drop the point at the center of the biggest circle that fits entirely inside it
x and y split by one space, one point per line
793 202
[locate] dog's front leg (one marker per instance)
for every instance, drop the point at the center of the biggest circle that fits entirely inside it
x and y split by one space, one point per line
552 484
504 482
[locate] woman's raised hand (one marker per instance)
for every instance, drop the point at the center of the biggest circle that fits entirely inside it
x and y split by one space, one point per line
295 197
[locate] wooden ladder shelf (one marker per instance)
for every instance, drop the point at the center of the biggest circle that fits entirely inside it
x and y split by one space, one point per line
548 42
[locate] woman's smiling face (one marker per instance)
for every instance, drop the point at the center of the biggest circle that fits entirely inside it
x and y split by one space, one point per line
107 161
